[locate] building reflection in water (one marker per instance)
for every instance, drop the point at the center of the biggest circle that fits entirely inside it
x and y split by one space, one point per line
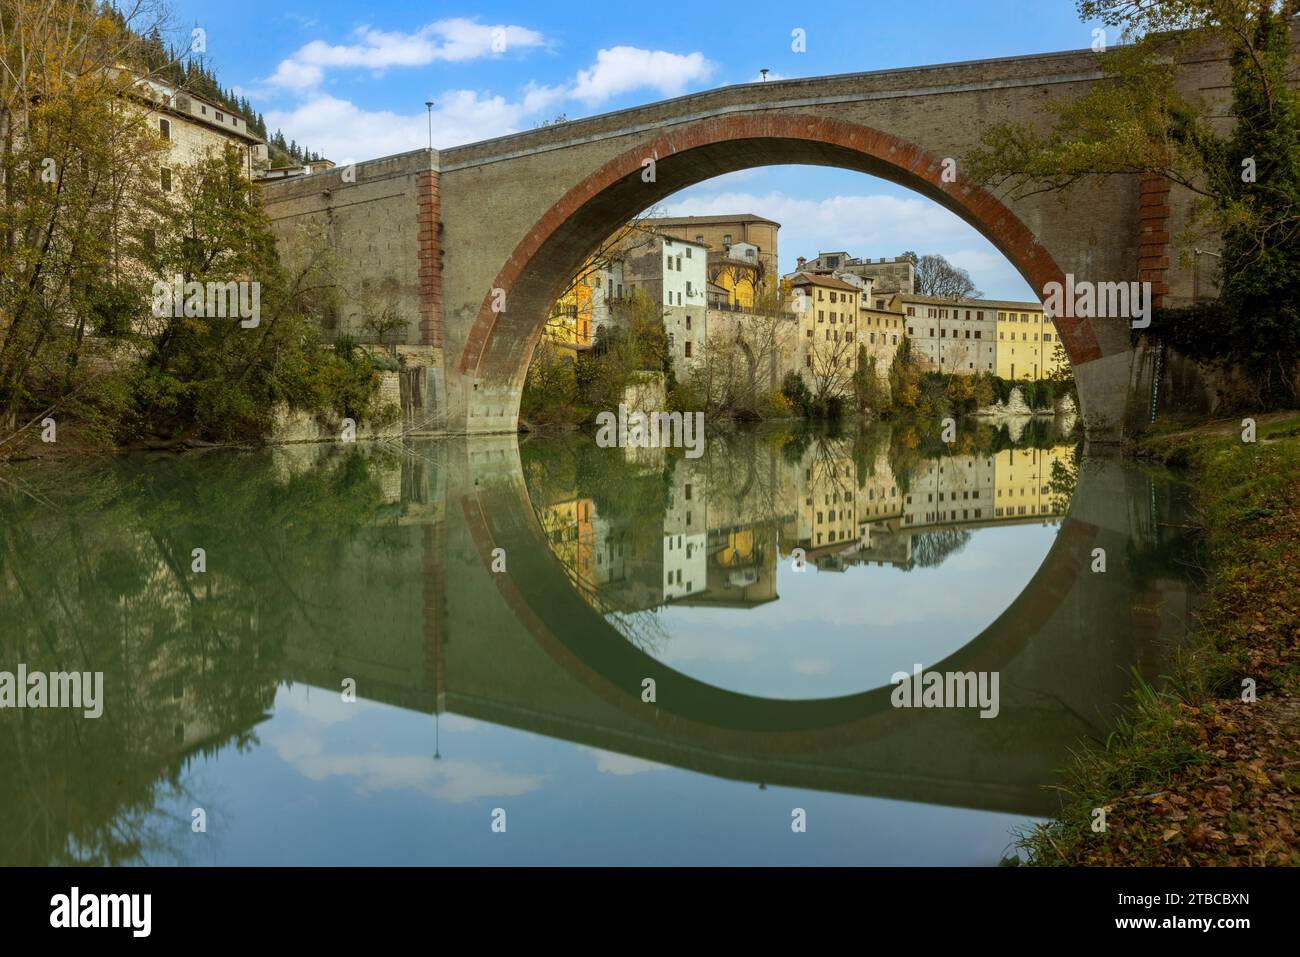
374 564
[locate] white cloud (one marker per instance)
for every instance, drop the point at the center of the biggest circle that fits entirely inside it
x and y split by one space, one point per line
623 69
455 40
865 224
611 762
812 666
343 132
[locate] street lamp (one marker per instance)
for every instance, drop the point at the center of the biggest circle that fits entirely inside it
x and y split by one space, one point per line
428 106
763 73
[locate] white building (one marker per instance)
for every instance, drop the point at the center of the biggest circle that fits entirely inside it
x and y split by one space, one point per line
674 273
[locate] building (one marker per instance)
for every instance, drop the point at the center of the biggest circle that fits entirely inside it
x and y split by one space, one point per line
1023 486
881 331
587 306
952 336
195 128
951 491
720 233
1027 340
674 273
302 169
888 276
739 272
827 346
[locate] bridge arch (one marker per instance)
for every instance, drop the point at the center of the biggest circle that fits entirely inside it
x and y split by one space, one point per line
499 345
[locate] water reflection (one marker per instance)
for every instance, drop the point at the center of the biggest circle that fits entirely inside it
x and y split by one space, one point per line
524 689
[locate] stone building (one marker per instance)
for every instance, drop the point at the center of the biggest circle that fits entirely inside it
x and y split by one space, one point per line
720 233
954 336
887 276
195 127
673 272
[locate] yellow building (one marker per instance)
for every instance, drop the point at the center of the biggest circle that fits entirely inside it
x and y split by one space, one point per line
577 317
1026 341
880 330
569 323
739 272
827 350
1022 480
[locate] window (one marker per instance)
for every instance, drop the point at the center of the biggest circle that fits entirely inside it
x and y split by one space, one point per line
670 262
165 128
810 332
688 292
699 239
911 310
203 109
726 240
221 118
833 299
688 348
165 180
688 252
688 322
977 333
679 263
821 315
911 330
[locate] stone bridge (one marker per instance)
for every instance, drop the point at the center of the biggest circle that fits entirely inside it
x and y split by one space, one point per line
437 231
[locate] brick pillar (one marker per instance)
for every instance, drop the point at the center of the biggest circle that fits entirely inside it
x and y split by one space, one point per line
1154 217
428 217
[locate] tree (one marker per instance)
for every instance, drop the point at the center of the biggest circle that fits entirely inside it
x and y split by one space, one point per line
935 276
1245 181
868 390
831 363
905 377
75 154
212 376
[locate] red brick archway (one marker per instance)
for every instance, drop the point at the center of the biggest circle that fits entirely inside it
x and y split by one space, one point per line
500 345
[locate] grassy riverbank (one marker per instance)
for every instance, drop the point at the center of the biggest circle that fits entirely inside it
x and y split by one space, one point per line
1196 775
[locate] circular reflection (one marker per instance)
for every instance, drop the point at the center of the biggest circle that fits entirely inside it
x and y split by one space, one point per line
804 566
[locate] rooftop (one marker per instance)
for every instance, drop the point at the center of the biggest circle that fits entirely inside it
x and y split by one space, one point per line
711 220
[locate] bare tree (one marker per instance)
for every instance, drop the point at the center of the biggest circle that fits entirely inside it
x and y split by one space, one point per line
935 276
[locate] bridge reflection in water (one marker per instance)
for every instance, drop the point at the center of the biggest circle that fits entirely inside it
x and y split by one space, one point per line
375 564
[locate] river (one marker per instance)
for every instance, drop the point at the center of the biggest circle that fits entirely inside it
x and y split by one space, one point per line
537 651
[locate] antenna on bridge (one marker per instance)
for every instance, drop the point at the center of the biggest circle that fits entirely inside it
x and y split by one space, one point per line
428 106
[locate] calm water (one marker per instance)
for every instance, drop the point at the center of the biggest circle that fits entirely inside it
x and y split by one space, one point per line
519 695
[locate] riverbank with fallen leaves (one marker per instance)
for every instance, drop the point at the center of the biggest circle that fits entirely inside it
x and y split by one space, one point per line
1206 771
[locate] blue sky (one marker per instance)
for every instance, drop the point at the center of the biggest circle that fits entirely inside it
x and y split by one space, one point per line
350 81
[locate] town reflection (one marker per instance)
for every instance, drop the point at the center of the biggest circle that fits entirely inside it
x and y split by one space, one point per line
375 565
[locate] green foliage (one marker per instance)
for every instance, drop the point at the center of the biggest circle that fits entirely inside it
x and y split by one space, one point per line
1138 122
209 376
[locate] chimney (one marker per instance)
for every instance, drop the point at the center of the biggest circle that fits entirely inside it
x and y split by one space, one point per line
800 263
